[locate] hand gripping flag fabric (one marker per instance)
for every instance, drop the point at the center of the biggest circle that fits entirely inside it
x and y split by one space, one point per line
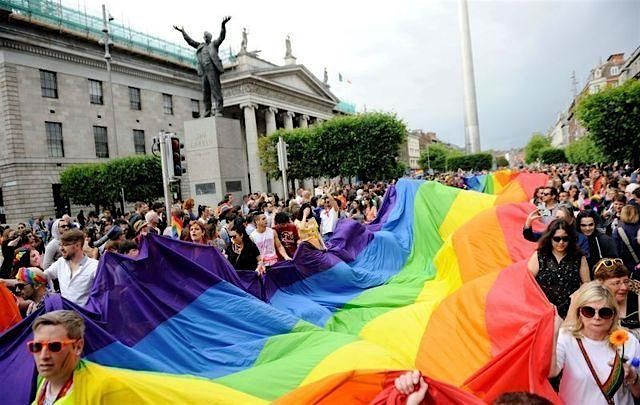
437 283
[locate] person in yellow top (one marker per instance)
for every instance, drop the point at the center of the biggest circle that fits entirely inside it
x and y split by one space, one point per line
308 228
58 340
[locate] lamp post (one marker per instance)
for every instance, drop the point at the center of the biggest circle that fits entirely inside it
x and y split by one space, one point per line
106 41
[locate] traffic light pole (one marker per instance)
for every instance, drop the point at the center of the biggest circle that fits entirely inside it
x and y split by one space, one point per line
165 158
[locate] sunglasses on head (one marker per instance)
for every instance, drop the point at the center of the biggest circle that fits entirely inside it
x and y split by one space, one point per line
53 346
590 312
605 264
560 238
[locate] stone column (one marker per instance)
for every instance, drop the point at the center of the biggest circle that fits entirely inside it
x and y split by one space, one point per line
270 118
288 120
257 181
303 121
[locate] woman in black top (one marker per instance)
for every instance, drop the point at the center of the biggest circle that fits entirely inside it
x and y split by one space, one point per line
242 252
558 265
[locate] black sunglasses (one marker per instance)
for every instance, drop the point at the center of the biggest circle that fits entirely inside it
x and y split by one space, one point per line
590 312
560 238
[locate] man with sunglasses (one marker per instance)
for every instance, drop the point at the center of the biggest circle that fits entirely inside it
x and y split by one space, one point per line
74 270
58 340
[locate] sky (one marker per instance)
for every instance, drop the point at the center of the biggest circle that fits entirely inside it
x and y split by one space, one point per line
404 56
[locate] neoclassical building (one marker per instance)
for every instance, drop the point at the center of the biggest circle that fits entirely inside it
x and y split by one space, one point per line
58 108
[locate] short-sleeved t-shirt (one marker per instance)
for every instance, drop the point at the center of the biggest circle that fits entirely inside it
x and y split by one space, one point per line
578 385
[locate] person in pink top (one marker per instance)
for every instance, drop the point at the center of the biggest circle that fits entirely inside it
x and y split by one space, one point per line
267 241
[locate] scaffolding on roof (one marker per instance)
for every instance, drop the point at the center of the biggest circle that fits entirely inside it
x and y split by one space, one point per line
53 13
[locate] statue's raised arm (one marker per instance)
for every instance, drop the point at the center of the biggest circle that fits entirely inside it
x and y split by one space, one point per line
223 31
186 36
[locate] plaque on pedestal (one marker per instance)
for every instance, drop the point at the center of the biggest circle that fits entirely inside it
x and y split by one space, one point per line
216 159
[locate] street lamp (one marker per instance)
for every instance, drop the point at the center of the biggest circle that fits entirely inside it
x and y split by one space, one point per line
106 41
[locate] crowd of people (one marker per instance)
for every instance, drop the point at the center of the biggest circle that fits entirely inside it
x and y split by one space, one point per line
586 224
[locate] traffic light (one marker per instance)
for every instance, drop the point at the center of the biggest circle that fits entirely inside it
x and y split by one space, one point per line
177 156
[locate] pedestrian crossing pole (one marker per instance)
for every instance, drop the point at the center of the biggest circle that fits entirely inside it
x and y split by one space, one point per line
283 164
166 158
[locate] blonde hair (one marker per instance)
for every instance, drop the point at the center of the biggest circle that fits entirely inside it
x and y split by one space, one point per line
629 214
589 292
70 320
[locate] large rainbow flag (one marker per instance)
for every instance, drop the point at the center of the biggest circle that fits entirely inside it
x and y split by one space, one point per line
491 183
437 283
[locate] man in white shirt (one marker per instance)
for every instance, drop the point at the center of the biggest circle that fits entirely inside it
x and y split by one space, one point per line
329 217
74 270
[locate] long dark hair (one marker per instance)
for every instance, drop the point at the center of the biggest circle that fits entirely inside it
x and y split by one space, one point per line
545 246
301 211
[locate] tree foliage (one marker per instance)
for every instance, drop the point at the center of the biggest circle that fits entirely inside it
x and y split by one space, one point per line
475 162
437 156
612 118
584 150
101 183
502 161
552 155
536 143
363 145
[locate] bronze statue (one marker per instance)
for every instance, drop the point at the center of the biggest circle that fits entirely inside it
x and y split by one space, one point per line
209 67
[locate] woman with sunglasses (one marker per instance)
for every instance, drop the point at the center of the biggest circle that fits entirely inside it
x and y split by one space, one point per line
614 275
558 265
242 252
593 369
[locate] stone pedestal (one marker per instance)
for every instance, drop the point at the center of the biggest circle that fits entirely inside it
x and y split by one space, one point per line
216 159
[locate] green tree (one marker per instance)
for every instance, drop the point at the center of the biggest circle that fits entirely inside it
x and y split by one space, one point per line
100 184
363 145
502 161
612 117
536 143
584 150
83 184
552 155
140 177
437 156
476 162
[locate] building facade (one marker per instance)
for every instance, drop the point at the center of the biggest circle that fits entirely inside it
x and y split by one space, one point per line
609 73
410 151
56 105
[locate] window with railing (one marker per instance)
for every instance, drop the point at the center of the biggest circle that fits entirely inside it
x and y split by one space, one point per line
135 102
101 141
95 91
54 139
138 142
49 84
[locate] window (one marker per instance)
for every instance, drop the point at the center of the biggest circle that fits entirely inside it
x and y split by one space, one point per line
138 142
615 70
167 103
95 91
102 141
195 108
134 98
54 139
49 84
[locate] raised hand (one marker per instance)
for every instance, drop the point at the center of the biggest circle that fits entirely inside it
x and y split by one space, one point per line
179 28
226 19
